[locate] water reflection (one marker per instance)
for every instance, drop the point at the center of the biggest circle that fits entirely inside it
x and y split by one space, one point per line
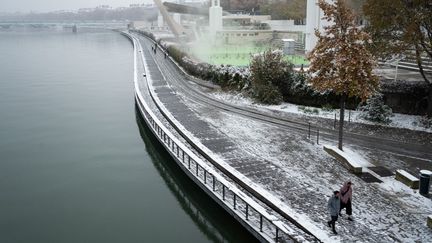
211 219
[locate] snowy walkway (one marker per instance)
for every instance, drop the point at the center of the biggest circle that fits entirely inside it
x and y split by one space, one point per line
302 175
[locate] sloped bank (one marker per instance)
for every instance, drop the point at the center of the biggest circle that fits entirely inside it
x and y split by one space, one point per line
403 96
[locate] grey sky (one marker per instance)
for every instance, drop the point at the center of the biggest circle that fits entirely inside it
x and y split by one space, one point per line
51 5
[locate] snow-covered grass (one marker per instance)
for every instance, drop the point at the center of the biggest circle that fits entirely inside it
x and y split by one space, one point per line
397 120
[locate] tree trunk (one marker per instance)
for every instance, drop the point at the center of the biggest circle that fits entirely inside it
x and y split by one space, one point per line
341 120
429 102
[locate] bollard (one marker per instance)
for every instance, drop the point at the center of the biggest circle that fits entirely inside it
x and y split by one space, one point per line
349 116
425 176
334 125
429 221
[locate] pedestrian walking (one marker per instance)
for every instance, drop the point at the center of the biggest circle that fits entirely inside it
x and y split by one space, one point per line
334 208
346 199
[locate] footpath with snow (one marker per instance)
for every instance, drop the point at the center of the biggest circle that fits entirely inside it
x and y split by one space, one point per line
301 175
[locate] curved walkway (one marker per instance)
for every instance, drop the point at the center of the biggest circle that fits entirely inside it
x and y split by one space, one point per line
297 175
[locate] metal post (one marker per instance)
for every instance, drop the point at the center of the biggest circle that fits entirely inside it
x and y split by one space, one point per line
349 116
309 130
261 222
277 234
223 192
234 201
334 125
205 177
178 153
396 74
188 162
196 168
183 156
247 211
317 135
214 183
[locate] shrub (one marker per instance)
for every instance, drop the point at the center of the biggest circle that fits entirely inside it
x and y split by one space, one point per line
270 73
375 110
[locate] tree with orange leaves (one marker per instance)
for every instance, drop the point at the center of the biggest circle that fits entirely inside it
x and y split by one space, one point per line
341 62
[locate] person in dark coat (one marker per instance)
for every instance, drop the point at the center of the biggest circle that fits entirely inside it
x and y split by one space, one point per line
346 198
333 206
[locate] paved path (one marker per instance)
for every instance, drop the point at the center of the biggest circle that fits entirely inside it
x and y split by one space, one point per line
294 170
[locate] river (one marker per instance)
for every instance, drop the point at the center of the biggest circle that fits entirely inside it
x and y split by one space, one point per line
77 163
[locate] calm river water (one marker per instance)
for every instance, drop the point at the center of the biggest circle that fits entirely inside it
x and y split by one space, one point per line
77 163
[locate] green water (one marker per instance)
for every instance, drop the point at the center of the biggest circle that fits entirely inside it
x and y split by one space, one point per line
77 163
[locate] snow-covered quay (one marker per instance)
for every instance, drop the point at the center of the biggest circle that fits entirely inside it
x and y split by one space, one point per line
294 172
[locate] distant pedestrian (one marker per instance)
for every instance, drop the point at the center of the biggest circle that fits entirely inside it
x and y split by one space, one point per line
346 199
334 208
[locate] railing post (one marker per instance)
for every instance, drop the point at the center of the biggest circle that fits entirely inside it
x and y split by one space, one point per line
234 201
349 116
188 162
196 168
178 153
183 156
334 125
205 177
223 192
214 183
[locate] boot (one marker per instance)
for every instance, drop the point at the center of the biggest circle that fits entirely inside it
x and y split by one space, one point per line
334 232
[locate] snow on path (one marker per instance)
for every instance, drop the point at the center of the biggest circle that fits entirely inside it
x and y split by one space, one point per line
397 121
303 176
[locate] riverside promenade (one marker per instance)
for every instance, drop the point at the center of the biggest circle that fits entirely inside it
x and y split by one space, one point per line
285 168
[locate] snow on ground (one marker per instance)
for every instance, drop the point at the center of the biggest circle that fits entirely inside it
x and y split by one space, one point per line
303 176
397 121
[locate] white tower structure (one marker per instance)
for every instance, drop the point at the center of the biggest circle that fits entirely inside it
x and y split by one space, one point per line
215 17
160 20
314 21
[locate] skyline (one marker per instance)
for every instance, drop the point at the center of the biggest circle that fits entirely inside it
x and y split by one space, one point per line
26 6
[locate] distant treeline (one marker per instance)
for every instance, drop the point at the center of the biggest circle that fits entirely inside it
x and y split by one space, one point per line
97 14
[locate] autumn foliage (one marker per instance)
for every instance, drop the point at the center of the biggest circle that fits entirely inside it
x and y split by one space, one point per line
341 62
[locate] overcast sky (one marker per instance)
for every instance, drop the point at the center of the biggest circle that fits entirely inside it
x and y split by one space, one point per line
51 5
